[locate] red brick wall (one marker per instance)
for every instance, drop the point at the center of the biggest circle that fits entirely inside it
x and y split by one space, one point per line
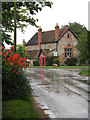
56 32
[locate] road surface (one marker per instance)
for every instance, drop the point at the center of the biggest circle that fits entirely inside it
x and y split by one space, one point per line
62 93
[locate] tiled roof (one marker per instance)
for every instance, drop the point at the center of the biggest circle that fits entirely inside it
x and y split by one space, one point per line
47 36
33 54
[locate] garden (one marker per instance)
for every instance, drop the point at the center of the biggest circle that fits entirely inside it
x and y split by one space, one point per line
16 90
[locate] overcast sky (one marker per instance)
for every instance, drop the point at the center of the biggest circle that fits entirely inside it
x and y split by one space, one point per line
62 12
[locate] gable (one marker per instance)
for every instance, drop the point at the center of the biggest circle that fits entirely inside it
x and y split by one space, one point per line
65 33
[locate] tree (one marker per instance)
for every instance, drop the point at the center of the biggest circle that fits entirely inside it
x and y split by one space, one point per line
82 34
24 13
88 42
21 51
77 28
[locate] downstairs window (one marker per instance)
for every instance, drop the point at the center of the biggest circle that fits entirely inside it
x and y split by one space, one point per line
68 52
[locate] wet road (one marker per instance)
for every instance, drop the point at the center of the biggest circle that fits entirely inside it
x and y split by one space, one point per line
62 93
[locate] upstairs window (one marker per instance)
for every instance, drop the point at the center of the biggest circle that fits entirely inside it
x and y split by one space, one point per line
68 52
68 36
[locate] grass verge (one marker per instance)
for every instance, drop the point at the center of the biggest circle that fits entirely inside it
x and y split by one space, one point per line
58 66
18 108
85 72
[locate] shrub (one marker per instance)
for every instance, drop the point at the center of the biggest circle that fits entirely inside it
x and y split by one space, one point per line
36 63
71 61
14 81
49 60
56 61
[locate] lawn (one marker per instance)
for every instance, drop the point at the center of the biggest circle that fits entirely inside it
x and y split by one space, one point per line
18 108
85 72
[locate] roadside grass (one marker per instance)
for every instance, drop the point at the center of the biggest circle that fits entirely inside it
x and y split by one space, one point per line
85 72
18 108
58 66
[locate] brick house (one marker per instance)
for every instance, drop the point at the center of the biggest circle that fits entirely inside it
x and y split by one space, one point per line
61 42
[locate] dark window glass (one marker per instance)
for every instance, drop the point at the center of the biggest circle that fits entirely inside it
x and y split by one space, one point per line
68 36
68 45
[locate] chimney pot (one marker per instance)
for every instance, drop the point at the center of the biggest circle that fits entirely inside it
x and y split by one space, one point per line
57 24
39 28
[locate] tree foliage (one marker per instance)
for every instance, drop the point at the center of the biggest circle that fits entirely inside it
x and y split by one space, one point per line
22 51
24 14
88 42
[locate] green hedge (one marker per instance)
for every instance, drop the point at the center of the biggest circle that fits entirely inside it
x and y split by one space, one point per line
36 63
49 60
71 61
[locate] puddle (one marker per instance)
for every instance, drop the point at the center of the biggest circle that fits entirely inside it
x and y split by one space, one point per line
59 93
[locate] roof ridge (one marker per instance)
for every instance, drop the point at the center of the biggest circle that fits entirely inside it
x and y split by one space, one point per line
54 30
48 31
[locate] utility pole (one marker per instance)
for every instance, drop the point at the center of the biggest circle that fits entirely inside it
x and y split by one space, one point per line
15 26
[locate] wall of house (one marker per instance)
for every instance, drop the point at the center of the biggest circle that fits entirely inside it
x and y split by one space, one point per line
63 43
49 46
32 47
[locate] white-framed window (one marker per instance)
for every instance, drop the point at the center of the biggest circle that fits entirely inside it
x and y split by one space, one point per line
68 52
55 53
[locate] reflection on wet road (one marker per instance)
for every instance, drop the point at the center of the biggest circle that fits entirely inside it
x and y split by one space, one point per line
63 93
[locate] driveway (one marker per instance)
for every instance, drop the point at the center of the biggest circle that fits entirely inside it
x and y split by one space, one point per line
62 93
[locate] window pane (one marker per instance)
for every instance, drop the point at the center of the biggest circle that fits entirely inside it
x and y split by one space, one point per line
68 52
65 55
70 49
70 55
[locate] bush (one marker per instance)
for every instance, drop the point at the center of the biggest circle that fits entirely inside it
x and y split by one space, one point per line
36 63
49 60
71 61
14 81
56 61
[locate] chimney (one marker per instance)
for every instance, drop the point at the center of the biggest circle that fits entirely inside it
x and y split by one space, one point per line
24 42
56 31
39 37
